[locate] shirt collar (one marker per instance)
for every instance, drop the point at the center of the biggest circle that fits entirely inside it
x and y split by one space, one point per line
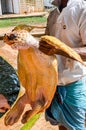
73 2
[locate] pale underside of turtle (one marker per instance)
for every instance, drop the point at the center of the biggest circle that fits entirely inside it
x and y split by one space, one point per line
37 73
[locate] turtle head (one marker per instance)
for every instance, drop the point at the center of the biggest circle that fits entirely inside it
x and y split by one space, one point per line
20 39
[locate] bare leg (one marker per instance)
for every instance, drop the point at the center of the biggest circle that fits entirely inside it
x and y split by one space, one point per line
14 114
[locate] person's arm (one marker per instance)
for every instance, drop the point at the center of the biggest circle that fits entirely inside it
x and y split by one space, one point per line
51 21
82 31
82 52
50 50
3 104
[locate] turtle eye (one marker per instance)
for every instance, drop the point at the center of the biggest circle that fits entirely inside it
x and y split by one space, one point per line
12 36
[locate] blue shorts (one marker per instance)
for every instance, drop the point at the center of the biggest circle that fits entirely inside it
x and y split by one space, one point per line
70 111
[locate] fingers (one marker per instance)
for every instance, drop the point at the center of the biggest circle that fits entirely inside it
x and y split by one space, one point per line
46 48
4 108
46 45
3 103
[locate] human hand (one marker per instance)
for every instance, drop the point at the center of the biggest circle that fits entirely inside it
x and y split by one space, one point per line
47 48
3 104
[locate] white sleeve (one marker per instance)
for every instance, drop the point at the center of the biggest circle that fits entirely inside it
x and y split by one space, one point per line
82 25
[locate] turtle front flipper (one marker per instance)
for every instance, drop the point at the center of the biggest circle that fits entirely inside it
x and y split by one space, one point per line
60 48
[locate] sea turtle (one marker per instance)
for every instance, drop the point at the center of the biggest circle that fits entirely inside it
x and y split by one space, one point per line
37 72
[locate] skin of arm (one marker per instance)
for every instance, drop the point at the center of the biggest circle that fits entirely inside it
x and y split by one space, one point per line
82 52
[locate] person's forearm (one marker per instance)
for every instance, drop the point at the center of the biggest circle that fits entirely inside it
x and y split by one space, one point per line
50 50
82 52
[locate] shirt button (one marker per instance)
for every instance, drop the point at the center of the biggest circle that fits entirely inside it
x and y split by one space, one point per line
64 26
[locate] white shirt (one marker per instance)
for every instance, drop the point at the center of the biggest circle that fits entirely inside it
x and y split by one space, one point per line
70 27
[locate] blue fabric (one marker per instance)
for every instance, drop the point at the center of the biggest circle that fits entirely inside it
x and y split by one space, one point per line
71 112
76 93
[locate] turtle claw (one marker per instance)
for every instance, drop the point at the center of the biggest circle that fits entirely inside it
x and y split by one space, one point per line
25 116
9 120
12 117
23 120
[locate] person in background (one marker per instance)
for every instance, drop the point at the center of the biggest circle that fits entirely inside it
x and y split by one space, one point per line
67 22
3 104
9 86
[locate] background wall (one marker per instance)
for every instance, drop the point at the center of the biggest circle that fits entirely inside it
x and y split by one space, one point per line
0 8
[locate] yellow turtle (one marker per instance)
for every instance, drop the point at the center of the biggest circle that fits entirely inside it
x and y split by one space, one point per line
37 72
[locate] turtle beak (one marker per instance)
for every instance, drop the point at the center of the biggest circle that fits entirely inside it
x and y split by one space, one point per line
11 37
